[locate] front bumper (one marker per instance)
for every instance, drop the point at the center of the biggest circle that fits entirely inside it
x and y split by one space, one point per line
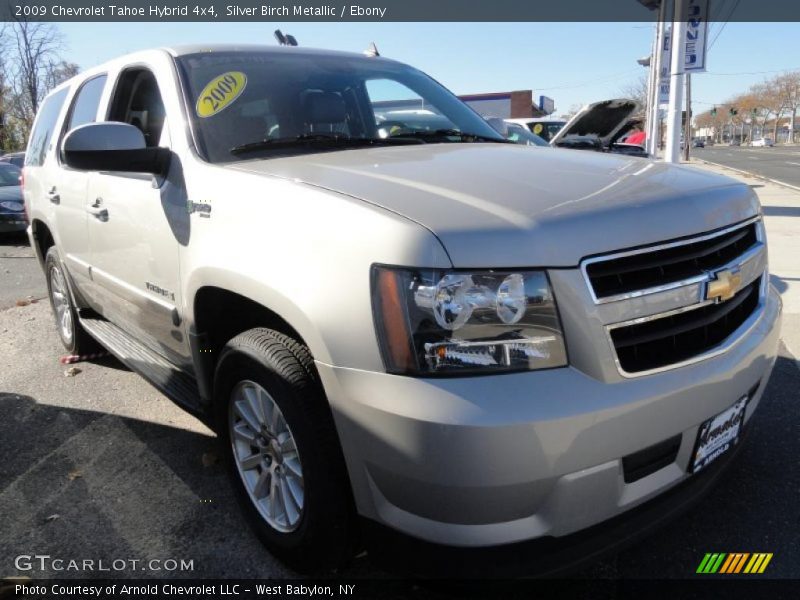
485 461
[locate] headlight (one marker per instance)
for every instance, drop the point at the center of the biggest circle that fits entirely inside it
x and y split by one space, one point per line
12 206
444 322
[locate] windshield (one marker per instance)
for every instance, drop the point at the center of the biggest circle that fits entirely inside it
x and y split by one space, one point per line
9 175
266 103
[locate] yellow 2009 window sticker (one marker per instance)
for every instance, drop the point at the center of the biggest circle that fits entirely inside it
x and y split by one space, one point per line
220 93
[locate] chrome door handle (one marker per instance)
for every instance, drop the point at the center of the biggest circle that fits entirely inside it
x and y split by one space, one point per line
97 210
53 196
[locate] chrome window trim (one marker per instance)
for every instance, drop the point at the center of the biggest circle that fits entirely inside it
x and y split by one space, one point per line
667 286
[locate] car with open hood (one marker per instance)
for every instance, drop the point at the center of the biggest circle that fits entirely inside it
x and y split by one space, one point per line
424 332
601 127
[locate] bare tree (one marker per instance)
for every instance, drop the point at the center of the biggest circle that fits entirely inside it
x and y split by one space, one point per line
59 72
573 110
4 91
34 50
787 89
636 90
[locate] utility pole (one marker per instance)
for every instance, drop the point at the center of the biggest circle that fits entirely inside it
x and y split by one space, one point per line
677 64
687 131
654 120
651 84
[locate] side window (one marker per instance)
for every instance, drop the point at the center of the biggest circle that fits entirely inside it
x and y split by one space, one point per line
137 101
86 103
43 129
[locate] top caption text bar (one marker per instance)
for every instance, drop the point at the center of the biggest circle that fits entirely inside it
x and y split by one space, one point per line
382 10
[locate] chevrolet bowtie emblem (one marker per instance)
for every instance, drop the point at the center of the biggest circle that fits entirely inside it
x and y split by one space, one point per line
725 286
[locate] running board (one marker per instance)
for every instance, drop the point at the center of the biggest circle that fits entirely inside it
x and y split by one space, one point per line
174 383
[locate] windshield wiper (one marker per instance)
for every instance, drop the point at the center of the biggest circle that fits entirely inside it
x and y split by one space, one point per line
316 139
462 136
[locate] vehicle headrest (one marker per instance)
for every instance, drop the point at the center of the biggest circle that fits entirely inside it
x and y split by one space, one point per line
324 107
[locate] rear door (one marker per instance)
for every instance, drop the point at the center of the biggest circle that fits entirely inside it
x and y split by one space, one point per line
137 222
68 187
41 172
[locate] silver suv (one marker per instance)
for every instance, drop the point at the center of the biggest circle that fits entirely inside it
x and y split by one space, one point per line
459 339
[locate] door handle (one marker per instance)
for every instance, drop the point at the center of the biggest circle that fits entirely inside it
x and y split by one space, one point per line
97 210
53 196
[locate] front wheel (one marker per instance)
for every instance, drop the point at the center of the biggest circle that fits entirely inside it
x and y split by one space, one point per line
72 335
283 452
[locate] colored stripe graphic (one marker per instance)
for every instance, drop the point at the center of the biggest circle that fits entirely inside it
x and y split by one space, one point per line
711 562
703 563
753 562
735 562
740 564
717 564
728 563
765 563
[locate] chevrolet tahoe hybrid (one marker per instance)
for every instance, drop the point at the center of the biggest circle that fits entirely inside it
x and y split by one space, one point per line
461 340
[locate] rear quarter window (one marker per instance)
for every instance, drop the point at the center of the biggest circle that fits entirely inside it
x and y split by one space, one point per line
42 133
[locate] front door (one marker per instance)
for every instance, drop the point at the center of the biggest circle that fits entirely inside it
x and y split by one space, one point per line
135 227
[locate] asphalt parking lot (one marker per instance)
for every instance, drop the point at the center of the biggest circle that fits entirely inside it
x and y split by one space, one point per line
100 465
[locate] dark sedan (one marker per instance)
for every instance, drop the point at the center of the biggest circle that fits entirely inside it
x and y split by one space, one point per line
12 210
15 158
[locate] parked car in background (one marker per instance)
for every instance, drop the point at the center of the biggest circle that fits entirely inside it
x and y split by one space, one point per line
521 135
762 142
734 143
12 210
394 123
545 127
514 132
698 143
600 126
402 323
15 158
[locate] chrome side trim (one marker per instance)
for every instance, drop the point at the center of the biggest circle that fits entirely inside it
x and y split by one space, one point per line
134 296
667 286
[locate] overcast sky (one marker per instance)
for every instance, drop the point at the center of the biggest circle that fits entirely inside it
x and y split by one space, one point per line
573 63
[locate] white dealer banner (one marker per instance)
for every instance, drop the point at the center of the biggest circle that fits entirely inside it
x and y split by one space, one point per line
696 46
696 36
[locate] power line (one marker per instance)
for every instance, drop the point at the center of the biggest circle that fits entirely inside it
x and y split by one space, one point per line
715 23
726 21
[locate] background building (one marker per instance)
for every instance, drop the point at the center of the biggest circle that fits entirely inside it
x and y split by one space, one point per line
505 105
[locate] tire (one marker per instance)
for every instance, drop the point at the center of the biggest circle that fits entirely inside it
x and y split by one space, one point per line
307 517
73 336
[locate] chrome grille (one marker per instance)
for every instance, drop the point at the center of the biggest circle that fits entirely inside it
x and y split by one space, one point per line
680 301
668 265
676 337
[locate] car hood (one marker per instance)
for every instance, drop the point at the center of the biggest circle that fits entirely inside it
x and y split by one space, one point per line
602 120
505 205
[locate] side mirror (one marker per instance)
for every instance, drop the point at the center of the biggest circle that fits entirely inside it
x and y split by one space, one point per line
113 146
